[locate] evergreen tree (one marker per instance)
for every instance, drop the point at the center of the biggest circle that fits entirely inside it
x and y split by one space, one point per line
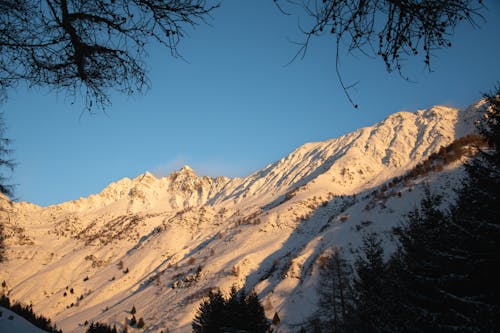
26 311
256 320
98 327
239 313
475 217
444 271
2 237
276 319
370 313
209 318
442 277
235 310
140 323
471 290
419 270
5 301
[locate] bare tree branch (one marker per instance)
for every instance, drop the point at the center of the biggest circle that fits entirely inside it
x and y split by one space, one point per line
90 46
389 29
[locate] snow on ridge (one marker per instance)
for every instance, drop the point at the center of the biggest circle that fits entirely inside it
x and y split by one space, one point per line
392 145
395 142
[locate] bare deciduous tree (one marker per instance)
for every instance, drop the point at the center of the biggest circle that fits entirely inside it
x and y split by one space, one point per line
334 291
6 190
89 46
390 29
5 162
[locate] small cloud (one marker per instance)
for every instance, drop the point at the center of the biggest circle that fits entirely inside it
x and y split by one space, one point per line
170 166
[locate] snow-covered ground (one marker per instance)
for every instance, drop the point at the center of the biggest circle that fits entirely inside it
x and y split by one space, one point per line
10 322
160 244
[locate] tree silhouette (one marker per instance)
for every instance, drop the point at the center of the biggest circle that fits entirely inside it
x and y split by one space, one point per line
210 315
89 46
94 46
425 265
475 216
256 320
370 313
389 29
239 313
334 291
2 237
140 323
6 190
26 311
98 327
448 262
5 162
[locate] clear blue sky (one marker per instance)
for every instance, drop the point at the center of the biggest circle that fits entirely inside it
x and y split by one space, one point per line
234 108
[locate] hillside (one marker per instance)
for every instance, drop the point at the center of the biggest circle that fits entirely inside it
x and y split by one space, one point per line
11 322
160 244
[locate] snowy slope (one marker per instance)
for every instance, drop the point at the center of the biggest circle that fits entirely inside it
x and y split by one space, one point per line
10 322
160 244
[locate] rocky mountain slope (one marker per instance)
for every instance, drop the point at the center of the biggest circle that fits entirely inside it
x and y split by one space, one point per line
160 244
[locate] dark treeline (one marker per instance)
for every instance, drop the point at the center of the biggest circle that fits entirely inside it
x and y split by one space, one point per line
239 313
26 311
441 278
98 327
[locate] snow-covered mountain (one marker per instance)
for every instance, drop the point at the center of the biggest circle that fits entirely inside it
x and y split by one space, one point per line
160 244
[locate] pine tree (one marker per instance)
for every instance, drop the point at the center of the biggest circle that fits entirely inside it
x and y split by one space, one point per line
369 311
234 313
256 319
209 318
276 319
442 277
98 327
140 323
422 267
471 290
26 311
475 216
240 312
445 267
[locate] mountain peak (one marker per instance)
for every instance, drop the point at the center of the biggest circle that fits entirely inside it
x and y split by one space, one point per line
146 175
186 168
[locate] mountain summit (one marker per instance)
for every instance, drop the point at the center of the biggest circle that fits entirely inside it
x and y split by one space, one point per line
160 244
